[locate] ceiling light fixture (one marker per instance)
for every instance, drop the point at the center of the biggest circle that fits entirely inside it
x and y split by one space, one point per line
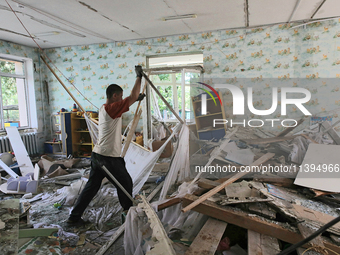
186 16
46 34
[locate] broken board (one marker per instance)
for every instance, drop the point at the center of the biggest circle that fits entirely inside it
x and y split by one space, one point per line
20 151
242 219
320 168
208 238
262 244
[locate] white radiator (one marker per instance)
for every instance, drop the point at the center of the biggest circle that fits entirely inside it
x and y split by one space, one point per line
29 140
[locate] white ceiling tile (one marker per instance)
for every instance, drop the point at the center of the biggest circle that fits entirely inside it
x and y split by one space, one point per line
331 8
269 11
107 20
306 9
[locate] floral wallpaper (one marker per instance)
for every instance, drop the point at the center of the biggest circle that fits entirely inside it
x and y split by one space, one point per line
305 56
241 57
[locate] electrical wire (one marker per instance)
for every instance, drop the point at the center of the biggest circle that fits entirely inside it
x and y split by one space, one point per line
43 52
311 237
318 248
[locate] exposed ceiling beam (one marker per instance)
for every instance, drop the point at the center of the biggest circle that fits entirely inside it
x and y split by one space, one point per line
318 9
9 31
62 21
246 11
295 8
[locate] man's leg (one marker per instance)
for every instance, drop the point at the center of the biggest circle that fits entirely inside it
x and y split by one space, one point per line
117 168
90 190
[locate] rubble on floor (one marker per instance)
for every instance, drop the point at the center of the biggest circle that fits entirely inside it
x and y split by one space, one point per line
260 211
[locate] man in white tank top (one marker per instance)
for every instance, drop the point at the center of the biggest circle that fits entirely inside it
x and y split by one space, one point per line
108 149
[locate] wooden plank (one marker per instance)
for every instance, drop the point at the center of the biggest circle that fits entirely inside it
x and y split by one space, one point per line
306 231
198 192
208 184
169 203
278 181
324 126
315 218
244 220
259 244
33 232
258 224
237 176
335 239
163 244
289 129
208 238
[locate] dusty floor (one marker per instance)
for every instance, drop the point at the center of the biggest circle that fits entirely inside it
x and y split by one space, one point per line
9 226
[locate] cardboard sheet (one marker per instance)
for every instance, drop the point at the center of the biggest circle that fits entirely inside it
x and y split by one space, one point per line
20 151
320 168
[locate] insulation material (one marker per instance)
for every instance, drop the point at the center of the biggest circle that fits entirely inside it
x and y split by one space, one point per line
188 224
140 163
137 230
137 236
179 169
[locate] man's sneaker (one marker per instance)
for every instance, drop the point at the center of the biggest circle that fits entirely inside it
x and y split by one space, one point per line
79 221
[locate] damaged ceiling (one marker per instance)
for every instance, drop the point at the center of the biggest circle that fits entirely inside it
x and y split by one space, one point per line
65 22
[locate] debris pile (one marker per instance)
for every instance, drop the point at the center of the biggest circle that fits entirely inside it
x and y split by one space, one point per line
253 192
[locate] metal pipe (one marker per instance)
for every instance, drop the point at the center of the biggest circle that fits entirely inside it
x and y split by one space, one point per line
163 99
119 185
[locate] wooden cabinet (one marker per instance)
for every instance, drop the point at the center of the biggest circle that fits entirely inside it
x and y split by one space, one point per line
204 123
81 140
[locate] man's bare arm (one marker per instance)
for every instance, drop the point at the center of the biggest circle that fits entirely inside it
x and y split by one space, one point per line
136 88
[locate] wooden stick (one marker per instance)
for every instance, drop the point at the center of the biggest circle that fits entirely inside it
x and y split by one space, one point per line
163 99
133 126
289 129
131 131
237 176
62 84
